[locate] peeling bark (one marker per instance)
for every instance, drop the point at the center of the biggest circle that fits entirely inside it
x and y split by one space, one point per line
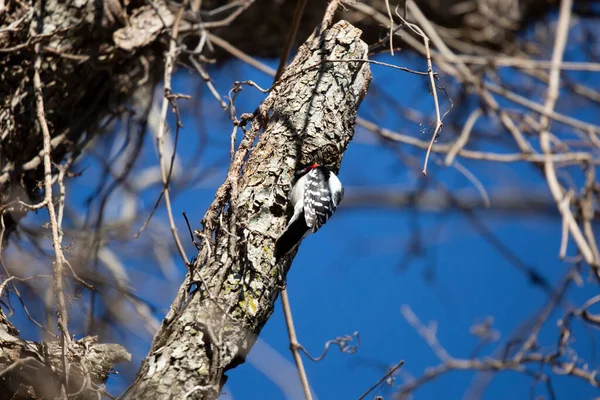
309 116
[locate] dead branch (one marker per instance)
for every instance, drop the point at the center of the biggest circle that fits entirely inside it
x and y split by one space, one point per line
36 369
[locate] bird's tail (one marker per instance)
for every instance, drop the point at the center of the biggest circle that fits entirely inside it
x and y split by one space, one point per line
291 237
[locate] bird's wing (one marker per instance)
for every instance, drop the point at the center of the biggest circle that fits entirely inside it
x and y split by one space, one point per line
318 204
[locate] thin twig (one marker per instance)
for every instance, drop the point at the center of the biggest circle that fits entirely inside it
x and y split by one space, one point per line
58 268
562 32
289 42
566 201
208 82
574 157
463 138
522 63
426 333
14 287
169 64
343 342
438 118
383 378
329 14
476 182
391 34
14 278
543 110
234 51
294 345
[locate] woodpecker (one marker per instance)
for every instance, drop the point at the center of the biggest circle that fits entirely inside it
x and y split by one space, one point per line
314 196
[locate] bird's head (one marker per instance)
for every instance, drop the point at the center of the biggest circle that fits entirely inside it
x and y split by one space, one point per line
306 169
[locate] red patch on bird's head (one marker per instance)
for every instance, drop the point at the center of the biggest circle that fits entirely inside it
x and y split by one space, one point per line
307 168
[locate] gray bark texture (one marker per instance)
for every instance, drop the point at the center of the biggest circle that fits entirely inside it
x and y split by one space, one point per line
308 117
33 370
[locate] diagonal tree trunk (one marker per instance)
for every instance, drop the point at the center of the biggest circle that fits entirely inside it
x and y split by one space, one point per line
309 116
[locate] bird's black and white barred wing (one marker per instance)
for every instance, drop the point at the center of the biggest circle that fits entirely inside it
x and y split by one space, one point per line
318 202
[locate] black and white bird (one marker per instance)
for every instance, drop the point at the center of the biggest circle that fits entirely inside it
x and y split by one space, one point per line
314 196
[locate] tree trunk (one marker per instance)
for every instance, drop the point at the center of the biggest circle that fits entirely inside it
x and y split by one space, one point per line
309 116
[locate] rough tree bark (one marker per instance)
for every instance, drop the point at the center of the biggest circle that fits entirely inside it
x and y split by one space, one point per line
308 117
33 370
